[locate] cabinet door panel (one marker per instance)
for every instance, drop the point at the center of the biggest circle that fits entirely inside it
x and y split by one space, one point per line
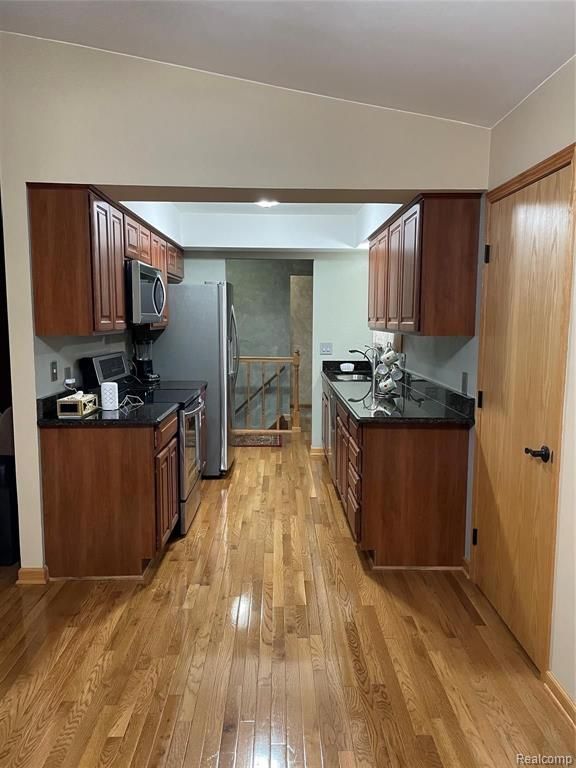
174 495
117 263
382 280
102 268
394 266
410 271
132 238
175 261
144 245
162 496
372 282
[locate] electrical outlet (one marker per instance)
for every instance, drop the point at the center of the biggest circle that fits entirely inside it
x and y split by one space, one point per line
54 370
326 347
464 386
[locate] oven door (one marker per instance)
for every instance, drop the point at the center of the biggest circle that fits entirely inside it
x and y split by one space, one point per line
191 448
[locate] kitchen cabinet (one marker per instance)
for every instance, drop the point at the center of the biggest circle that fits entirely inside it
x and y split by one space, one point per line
423 267
166 492
325 424
77 256
402 487
159 260
110 497
79 240
175 263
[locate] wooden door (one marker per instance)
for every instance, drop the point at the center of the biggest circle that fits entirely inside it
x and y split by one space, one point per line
131 238
525 314
102 268
393 281
410 271
372 282
117 266
382 274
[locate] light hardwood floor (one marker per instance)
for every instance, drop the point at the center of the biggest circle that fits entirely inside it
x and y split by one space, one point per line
264 640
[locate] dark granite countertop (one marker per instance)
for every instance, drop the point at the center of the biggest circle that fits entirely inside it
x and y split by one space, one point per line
148 415
419 401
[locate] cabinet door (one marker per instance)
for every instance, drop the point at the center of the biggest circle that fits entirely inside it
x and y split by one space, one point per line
344 466
175 261
117 262
163 496
372 282
410 271
382 281
325 423
174 504
393 281
159 256
131 238
102 267
144 245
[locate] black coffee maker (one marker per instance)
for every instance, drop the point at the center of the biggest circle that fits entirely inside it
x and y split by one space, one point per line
143 361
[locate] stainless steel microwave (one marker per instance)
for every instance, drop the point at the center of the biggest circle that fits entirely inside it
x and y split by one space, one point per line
146 293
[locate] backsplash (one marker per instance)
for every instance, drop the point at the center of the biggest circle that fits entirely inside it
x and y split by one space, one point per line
66 351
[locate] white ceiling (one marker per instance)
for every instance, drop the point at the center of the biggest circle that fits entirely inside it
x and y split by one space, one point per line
469 60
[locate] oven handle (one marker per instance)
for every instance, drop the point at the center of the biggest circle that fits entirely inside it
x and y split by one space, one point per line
194 411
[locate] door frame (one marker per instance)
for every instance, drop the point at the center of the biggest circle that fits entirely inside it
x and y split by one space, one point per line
556 162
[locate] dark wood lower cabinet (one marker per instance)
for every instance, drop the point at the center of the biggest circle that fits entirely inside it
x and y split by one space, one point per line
403 490
110 497
166 492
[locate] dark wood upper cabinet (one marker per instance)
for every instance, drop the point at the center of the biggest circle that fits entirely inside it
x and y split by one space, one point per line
431 269
79 240
381 298
132 238
393 276
409 302
372 282
175 262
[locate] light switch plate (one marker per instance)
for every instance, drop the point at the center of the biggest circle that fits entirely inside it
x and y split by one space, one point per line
54 370
326 347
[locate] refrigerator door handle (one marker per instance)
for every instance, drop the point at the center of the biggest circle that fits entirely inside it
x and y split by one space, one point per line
236 345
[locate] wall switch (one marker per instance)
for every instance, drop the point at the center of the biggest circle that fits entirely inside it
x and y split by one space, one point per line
68 372
326 347
54 370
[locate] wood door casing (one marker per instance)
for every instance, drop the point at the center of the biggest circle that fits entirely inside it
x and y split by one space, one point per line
523 341
409 288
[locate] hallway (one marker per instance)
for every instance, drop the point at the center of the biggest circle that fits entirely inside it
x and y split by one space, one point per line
263 640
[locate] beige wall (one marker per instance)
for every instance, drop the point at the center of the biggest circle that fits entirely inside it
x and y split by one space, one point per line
74 114
543 124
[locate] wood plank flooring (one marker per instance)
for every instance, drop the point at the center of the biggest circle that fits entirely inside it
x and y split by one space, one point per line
263 640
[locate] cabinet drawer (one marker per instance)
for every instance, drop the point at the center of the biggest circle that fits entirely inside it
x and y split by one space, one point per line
354 483
343 413
355 431
355 455
353 515
165 432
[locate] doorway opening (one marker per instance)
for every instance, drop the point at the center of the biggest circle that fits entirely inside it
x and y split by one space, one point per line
9 545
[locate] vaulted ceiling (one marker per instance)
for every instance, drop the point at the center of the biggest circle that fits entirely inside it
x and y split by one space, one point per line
468 60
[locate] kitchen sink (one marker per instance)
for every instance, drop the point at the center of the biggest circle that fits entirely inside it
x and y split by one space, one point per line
353 377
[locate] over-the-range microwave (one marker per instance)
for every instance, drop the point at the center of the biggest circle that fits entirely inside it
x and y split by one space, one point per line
146 293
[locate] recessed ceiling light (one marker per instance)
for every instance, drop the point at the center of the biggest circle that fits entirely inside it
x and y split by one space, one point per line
267 203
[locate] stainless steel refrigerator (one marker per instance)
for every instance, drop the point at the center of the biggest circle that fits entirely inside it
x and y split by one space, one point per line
201 343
